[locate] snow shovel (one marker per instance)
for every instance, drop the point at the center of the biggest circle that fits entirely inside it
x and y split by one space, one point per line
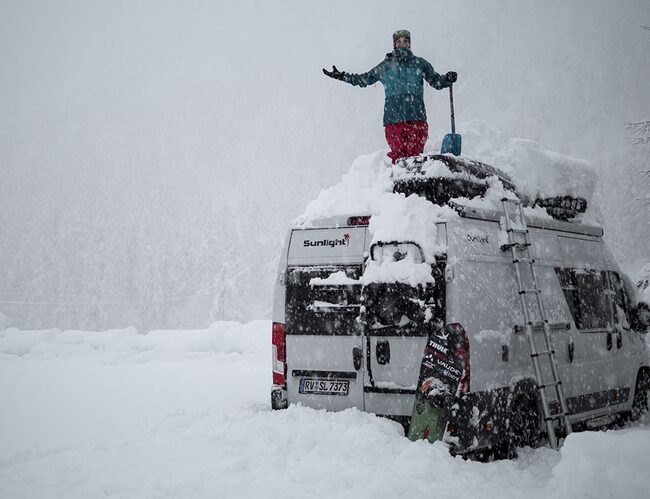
452 142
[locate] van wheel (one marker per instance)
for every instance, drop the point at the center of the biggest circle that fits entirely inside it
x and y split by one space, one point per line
524 424
640 403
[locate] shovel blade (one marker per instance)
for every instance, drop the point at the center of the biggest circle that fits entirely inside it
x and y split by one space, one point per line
451 144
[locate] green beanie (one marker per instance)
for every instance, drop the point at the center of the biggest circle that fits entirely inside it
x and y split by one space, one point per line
402 33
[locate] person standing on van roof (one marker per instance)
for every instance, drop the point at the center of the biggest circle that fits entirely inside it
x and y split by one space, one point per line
402 74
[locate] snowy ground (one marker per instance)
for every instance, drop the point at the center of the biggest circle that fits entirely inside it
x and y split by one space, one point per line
186 414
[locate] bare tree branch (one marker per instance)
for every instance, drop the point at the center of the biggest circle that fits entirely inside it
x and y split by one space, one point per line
640 131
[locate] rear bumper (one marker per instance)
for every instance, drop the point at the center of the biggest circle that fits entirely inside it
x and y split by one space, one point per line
279 397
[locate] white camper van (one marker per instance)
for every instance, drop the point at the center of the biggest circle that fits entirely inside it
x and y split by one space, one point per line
341 342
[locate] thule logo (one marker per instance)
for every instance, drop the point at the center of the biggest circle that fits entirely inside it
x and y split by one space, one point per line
435 346
345 241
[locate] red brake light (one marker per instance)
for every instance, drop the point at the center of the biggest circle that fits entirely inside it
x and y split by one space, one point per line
359 221
462 353
279 354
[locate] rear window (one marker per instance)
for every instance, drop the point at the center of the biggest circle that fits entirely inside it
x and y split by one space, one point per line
407 308
314 306
328 301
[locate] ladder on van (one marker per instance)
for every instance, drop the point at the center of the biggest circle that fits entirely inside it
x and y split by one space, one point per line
519 244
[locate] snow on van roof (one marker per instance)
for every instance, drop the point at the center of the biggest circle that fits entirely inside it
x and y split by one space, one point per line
537 171
367 190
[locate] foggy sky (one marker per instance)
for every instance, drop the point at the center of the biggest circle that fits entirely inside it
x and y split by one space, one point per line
148 147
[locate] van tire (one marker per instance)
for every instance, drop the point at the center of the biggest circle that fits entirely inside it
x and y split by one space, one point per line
640 402
523 425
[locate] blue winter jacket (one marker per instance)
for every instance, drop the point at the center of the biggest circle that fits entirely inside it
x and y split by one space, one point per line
401 73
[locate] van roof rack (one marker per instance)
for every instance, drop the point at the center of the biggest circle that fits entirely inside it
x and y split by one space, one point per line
540 223
470 179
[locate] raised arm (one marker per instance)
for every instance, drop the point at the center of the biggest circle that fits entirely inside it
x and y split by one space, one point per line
359 80
365 79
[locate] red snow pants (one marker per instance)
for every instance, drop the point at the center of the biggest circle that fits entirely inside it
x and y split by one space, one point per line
406 139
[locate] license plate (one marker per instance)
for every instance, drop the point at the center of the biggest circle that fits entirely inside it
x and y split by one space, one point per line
324 386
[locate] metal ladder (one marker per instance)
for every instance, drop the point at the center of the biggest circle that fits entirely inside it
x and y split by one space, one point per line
521 255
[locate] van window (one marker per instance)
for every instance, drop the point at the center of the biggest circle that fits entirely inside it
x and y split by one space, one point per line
327 309
586 294
405 306
621 300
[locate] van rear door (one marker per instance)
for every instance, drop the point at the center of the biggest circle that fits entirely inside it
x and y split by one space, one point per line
324 347
398 319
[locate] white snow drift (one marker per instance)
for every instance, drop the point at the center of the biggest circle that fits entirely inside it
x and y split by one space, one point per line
186 414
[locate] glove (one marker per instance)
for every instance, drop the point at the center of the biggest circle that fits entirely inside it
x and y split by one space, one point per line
452 76
335 73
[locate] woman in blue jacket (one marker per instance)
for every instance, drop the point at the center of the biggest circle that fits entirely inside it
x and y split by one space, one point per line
402 74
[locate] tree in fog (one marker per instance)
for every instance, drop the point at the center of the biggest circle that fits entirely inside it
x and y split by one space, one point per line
640 135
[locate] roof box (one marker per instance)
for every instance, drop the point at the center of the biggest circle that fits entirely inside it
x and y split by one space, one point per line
440 178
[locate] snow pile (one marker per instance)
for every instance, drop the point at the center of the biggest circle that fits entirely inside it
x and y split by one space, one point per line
200 426
339 278
405 270
492 201
358 192
367 190
537 172
223 338
592 462
401 271
401 219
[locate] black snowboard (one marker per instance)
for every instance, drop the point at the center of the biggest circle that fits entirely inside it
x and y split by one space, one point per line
443 375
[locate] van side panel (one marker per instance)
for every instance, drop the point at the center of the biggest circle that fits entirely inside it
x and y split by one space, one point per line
482 295
278 312
593 359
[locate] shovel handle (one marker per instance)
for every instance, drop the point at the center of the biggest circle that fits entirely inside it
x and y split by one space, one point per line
451 105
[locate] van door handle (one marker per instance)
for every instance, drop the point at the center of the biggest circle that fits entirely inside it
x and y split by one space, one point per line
357 357
383 352
571 349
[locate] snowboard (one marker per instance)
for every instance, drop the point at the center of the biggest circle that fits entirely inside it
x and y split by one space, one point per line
440 382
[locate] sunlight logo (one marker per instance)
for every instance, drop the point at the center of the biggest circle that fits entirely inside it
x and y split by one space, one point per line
332 243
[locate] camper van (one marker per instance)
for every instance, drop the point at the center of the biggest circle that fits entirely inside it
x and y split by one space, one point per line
340 342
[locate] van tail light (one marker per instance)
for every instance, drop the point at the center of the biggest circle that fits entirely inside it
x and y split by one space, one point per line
359 221
279 348
462 354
